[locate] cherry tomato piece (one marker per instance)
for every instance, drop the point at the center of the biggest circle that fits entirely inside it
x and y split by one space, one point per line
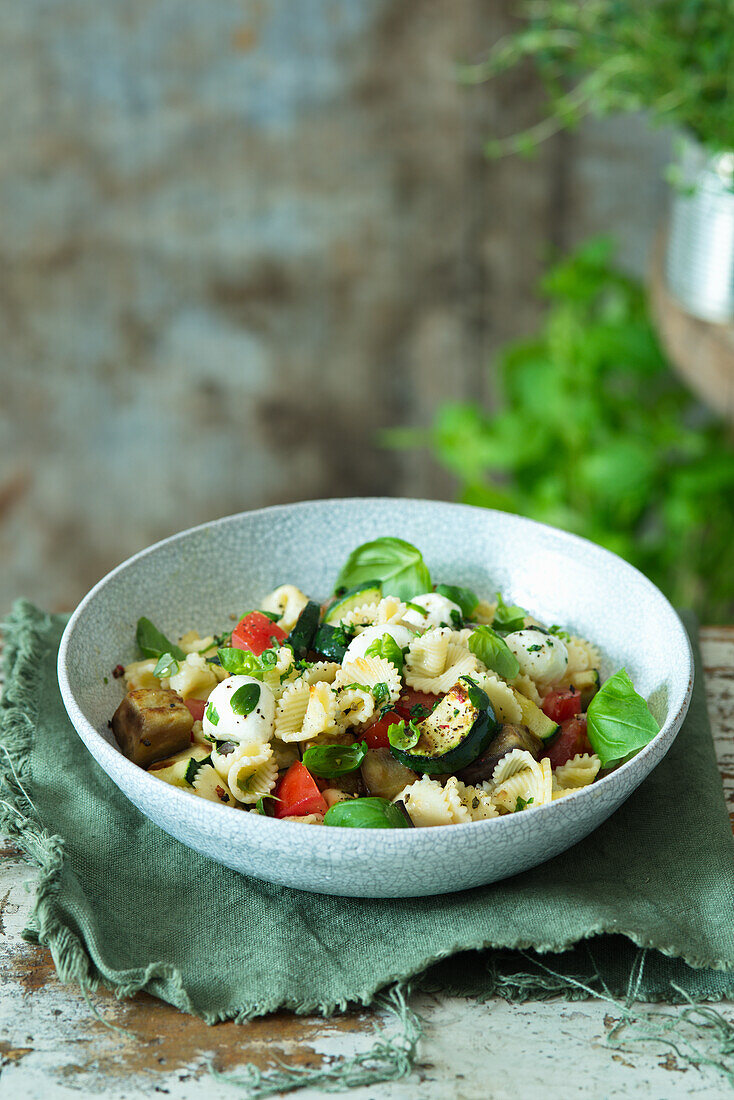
560 705
571 741
197 708
298 793
257 633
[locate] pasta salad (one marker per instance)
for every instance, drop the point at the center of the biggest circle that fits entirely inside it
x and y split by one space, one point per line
396 703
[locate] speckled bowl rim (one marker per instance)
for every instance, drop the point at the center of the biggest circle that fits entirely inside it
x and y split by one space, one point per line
106 754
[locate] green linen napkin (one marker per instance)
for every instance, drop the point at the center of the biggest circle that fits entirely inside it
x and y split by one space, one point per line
123 903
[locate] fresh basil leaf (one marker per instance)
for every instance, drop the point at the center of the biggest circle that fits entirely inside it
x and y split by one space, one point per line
397 564
457 620
331 760
522 803
381 694
619 722
240 662
152 643
260 804
402 737
167 666
367 813
494 652
193 767
245 699
477 696
212 714
562 634
464 597
387 647
508 617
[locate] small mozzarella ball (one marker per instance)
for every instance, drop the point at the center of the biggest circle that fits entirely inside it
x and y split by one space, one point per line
438 610
257 726
359 645
543 657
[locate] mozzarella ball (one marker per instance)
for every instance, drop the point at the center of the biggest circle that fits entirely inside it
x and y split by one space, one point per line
359 645
438 610
543 657
224 724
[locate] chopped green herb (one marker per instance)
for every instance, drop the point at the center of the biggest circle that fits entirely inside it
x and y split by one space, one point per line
416 607
508 617
105 680
167 666
269 658
421 711
521 804
401 737
534 648
387 647
381 693
562 634
456 620
212 714
193 767
260 804
245 699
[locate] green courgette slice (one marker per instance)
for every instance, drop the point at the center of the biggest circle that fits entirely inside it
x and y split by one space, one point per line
302 635
368 592
454 733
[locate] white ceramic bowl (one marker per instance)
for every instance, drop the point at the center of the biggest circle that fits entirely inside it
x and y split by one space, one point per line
200 577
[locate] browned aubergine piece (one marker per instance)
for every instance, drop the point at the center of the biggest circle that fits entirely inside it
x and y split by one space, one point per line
152 723
508 738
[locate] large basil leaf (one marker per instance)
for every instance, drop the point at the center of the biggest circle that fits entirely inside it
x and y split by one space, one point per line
494 652
330 760
367 813
464 597
152 643
619 721
397 564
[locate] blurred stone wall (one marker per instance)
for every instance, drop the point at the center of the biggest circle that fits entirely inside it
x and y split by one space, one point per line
239 238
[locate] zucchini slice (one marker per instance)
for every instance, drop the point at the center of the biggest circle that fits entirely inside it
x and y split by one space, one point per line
532 717
331 642
454 734
587 684
301 637
369 592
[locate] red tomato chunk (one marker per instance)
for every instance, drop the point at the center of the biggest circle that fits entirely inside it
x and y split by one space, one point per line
298 793
197 708
571 741
376 734
257 633
560 705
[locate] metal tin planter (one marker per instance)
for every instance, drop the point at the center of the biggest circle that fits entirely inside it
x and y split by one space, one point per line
699 265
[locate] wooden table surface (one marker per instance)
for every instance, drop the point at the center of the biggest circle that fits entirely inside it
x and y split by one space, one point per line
53 1044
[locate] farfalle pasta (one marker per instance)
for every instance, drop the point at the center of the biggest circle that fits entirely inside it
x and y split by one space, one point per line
396 703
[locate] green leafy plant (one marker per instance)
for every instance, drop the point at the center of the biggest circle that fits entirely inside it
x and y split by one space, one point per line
597 436
672 58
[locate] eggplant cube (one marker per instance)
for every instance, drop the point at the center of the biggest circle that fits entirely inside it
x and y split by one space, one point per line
150 724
